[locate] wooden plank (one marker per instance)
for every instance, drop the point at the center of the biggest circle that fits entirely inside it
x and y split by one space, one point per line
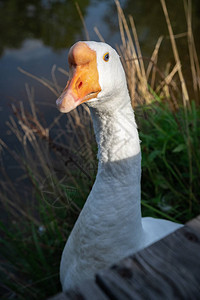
60 296
195 224
115 286
168 269
88 290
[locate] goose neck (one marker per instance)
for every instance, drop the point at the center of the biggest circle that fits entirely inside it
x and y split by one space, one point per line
116 133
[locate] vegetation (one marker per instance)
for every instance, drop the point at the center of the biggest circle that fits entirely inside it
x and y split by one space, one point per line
172 166
58 164
168 122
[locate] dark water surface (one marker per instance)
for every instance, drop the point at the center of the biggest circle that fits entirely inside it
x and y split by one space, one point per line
36 34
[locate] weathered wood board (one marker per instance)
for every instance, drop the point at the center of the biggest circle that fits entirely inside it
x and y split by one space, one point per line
168 269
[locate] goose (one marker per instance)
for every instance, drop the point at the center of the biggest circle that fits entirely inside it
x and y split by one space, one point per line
110 226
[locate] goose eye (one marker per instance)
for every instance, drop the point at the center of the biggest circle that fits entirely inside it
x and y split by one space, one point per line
106 56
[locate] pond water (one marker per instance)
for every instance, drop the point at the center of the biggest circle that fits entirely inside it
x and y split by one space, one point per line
36 34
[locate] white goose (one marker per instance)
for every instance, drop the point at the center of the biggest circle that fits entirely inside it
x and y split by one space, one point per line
110 225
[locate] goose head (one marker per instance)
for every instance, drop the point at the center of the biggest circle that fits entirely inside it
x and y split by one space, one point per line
96 77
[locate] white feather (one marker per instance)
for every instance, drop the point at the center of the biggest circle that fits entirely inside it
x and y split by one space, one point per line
110 226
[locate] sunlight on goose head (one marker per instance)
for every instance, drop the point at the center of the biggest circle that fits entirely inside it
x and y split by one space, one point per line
96 76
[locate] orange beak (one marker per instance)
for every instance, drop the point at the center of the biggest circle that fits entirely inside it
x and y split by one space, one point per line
83 83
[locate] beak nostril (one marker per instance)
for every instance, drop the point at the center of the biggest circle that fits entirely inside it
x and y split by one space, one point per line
80 85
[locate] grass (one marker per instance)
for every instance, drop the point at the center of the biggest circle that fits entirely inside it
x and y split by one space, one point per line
56 180
58 163
166 161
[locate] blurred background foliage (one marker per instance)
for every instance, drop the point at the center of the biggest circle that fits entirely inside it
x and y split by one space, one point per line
49 21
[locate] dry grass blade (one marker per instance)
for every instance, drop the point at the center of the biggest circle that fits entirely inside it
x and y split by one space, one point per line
153 62
121 29
124 28
83 21
188 9
176 56
13 127
16 209
167 81
139 53
96 30
194 62
133 61
32 126
58 89
3 144
30 93
61 70
42 81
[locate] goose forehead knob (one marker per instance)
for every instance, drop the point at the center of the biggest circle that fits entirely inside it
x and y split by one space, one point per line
80 54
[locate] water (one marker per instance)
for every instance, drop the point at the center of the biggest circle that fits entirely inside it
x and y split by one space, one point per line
36 34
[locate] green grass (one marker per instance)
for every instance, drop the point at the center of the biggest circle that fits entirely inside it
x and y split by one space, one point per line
31 245
42 207
168 154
